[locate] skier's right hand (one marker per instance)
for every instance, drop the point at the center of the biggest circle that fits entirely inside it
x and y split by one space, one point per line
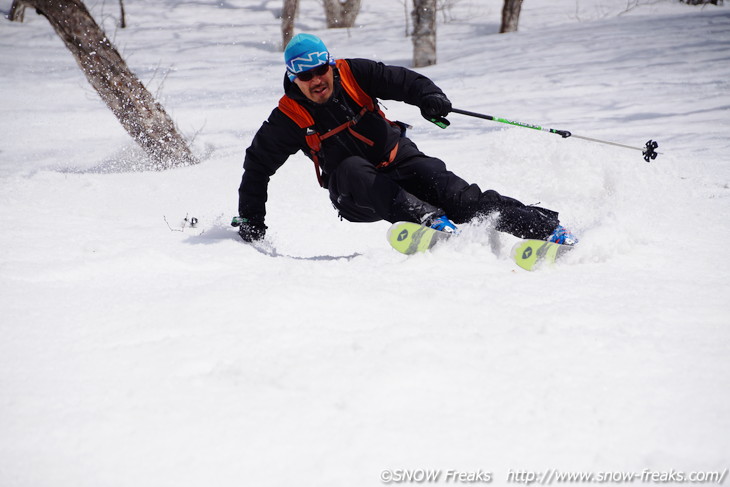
252 229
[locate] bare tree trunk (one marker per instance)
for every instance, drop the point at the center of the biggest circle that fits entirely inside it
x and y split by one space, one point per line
122 15
17 12
341 13
288 13
135 108
510 15
424 33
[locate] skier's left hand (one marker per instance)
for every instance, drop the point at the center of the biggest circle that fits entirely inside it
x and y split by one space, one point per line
435 106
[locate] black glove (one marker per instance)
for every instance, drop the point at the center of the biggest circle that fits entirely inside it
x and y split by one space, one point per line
250 229
435 107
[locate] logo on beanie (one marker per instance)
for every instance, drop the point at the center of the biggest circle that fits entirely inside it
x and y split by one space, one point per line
307 61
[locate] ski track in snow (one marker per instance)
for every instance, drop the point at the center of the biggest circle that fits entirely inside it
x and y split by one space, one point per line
136 351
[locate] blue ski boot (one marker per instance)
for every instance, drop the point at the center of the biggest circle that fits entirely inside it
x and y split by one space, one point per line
562 235
443 224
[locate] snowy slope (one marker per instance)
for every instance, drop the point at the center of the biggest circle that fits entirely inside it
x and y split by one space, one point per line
136 355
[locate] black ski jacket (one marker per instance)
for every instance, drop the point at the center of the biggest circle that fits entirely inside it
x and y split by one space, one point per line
279 137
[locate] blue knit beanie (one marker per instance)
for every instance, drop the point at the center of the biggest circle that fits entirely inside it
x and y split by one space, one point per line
304 52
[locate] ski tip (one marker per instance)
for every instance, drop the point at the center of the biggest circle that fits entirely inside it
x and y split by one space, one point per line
400 237
409 238
532 255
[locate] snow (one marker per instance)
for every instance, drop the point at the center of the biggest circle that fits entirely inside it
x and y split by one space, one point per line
136 352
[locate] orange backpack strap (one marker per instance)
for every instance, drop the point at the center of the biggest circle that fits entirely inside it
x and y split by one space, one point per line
352 87
304 120
296 112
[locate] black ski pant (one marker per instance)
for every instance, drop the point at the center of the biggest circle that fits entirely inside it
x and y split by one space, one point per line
415 186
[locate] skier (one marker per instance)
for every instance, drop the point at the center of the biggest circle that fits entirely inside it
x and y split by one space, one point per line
371 169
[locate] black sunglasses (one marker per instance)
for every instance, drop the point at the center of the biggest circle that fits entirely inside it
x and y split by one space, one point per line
311 73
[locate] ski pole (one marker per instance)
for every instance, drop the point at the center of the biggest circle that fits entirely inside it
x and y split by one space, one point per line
649 149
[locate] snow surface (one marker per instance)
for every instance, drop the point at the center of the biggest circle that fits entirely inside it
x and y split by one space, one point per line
133 353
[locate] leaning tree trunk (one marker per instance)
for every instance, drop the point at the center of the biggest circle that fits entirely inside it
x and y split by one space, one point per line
288 13
341 13
510 15
424 33
140 115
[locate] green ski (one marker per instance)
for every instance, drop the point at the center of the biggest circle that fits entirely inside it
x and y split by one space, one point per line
409 238
533 254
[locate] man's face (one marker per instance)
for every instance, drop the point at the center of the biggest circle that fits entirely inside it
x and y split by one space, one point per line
319 87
